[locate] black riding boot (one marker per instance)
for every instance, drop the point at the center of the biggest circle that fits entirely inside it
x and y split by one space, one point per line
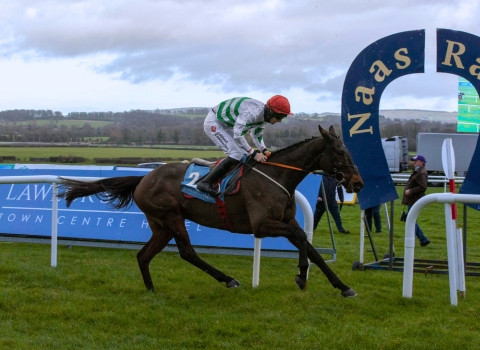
206 184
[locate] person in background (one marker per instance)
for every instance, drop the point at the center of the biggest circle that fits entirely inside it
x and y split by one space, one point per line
330 186
415 189
373 213
226 125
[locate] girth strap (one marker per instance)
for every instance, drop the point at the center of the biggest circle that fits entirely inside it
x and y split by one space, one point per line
222 213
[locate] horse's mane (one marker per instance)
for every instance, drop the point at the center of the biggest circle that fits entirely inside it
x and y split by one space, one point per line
295 145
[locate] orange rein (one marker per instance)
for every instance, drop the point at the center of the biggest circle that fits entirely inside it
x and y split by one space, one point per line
280 165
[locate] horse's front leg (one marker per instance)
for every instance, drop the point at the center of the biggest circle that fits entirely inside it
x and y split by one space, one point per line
306 251
317 259
300 239
297 237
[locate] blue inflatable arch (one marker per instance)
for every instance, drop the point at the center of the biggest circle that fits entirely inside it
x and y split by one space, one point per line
459 53
372 70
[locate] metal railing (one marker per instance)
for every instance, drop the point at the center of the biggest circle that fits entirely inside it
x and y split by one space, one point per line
453 257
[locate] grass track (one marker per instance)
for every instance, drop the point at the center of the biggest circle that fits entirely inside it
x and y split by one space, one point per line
95 299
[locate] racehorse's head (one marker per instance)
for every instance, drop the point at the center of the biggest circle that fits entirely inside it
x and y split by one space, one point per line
339 163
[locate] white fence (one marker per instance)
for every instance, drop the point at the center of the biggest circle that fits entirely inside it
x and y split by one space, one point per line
398 179
452 244
403 178
54 180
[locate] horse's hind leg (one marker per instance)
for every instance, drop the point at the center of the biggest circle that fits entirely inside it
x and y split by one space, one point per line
188 253
157 242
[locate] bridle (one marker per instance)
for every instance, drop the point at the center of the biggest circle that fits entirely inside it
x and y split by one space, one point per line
339 176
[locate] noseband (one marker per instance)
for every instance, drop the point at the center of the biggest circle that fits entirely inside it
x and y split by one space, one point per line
339 176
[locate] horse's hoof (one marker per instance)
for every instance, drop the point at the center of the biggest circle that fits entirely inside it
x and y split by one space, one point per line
233 284
301 283
349 293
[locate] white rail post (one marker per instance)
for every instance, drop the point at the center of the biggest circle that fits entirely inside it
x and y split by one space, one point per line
451 254
54 243
460 264
256 262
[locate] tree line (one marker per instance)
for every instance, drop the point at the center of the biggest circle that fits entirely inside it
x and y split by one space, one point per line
176 126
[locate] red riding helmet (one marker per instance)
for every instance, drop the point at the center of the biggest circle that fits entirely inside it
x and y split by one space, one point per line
279 104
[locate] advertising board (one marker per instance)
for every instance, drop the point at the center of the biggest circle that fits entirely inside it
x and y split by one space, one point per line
25 209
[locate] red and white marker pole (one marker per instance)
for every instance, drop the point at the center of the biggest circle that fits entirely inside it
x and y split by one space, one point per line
456 268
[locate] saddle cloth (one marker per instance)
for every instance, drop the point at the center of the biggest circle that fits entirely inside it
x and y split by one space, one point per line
195 172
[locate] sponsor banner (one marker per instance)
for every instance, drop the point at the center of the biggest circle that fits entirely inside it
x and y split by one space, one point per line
26 209
370 73
459 53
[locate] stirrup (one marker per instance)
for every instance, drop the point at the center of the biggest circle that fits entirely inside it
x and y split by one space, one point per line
207 188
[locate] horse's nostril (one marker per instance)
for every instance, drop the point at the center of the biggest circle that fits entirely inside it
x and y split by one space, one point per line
358 186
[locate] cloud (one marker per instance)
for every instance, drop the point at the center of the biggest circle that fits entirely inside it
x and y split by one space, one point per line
237 46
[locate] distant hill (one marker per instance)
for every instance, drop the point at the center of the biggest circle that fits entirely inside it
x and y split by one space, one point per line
413 114
184 126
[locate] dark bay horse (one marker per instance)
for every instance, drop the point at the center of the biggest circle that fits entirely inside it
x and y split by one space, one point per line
265 204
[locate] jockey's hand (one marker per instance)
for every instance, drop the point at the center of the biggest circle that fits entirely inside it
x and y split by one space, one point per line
259 157
266 152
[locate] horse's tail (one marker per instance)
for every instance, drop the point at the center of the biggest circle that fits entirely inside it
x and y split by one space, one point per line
118 191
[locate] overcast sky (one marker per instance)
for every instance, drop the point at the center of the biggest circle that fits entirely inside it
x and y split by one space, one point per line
69 55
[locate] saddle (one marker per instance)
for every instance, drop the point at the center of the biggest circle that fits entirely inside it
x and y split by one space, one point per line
228 185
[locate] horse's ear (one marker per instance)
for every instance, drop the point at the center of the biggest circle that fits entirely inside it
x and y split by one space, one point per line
331 130
323 132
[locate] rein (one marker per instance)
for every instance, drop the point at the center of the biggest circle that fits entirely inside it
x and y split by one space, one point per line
337 175
280 165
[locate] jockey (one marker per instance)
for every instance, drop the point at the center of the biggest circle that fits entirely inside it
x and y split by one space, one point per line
227 123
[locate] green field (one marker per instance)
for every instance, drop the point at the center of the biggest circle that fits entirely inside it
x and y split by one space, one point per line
95 298
24 154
